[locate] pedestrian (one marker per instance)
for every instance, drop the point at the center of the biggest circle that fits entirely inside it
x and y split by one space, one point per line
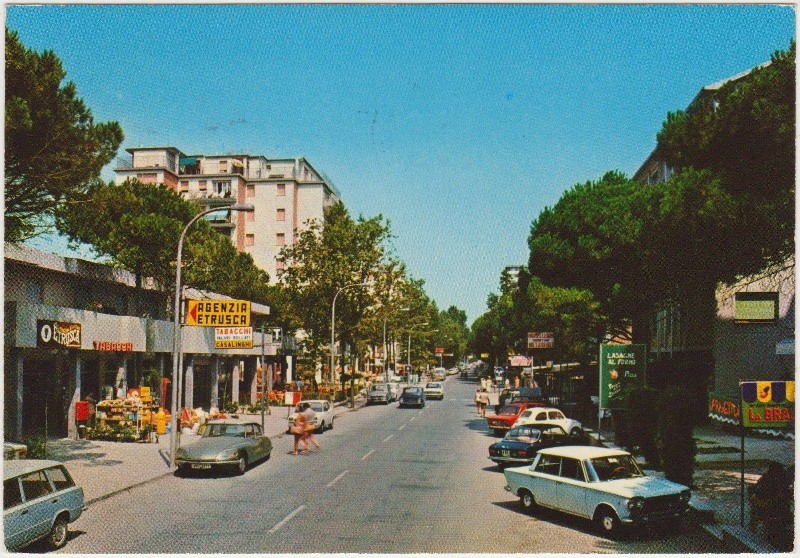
298 429
310 415
484 400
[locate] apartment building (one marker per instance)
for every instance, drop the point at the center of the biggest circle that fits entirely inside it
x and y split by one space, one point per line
286 194
743 331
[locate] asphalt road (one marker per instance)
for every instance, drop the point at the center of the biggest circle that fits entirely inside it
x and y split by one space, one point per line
386 480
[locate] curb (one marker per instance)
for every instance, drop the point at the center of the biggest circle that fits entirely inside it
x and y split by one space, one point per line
124 489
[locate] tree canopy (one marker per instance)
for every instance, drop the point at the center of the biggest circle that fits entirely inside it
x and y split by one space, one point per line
53 147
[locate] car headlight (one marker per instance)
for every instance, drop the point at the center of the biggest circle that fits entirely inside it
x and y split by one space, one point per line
228 454
180 454
635 503
685 496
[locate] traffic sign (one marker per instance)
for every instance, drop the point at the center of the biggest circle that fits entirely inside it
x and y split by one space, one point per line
217 313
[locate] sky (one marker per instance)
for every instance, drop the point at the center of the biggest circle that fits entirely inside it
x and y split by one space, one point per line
459 123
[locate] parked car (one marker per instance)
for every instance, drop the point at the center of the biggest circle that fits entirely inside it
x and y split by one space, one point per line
323 414
40 500
434 390
551 415
394 389
521 443
412 396
379 393
508 415
225 443
601 484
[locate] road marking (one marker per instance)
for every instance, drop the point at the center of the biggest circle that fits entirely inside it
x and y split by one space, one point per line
387 438
287 519
412 418
402 426
334 481
370 452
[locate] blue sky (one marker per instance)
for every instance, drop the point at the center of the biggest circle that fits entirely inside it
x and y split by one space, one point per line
459 123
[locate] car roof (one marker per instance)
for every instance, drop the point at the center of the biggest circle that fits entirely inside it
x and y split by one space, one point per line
232 421
15 467
583 452
537 409
313 401
541 424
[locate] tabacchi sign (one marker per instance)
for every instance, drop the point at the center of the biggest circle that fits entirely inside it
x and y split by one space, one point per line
233 338
217 313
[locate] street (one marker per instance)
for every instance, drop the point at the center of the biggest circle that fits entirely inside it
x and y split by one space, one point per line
386 480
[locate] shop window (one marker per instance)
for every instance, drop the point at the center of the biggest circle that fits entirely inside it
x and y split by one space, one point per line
757 307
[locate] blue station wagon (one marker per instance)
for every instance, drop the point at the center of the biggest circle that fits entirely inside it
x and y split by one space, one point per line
39 500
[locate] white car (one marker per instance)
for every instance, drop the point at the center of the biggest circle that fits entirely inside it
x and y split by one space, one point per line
434 390
323 411
552 415
394 390
601 484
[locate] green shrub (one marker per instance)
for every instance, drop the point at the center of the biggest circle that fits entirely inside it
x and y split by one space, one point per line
37 447
674 438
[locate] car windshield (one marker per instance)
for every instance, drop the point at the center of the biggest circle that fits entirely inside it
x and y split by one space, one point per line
434 386
524 434
379 388
216 430
616 467
509 410
412 390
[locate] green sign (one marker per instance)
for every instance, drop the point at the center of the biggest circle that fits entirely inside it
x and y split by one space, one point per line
620 365
767 404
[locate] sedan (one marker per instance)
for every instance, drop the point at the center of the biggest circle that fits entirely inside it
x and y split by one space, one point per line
226 443
521 443
323 414
434 390
412 396
508 415
550 415
601 484
379 393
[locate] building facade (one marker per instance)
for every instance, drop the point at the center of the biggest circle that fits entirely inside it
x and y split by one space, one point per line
75 328
286 194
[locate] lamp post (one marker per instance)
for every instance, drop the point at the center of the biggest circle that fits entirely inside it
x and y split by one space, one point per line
333 325
176 337
408 355
385 360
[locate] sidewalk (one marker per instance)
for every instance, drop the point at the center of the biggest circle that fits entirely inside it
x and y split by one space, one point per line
104 468
716 494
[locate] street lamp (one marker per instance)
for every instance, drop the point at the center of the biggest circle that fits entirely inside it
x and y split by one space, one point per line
177 380
408 355
333 314
385 369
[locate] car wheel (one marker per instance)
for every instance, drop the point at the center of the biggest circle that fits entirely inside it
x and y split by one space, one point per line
575 432
330 426
527 501
607 521
58 532
241 465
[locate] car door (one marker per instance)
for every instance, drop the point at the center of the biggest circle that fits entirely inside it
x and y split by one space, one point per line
264 443
572 487
38 507
545 490
15 514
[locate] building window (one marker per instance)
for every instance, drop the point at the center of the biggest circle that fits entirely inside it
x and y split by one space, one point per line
222 188
280 265
250 191
33 290
203 185
184 185
756 307
281 214
280 239
269 167
249 239
251 216
223 166
147 177
281 189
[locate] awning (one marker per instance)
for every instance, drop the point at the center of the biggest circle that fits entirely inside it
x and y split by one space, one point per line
785 346
185 161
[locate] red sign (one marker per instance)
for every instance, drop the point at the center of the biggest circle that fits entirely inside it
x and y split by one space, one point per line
113 346
439 350
543 340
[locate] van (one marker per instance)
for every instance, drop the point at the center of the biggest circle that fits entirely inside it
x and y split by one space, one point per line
39 500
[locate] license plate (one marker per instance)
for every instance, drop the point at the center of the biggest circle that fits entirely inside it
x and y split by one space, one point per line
505 453
201 466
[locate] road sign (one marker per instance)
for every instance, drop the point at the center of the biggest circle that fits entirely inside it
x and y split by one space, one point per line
541 340
216 313
439 350
233 338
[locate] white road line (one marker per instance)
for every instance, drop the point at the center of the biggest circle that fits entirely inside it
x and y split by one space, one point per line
287 519
412 418
387 438
334 481
370 452
402 426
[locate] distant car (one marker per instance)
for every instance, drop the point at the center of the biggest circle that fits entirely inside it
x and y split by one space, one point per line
439 374
434 390
508 415
379 393
453 371
225 443
323 414
40 499
521 443
412 396
394 389
601 484
536 415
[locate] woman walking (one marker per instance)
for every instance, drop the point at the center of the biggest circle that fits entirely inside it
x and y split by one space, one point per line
298 429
